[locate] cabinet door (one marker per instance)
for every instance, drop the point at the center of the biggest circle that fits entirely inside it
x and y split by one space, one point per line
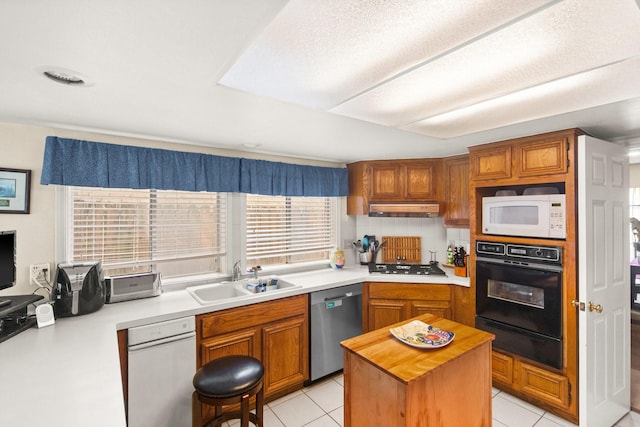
245 343
285 354
502 368
490 163
456 192
543 385
385 182
438 308
542 158
385 312
421 180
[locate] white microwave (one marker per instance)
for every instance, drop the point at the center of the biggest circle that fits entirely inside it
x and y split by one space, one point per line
541 215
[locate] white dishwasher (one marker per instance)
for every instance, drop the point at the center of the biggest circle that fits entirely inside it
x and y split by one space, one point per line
162 362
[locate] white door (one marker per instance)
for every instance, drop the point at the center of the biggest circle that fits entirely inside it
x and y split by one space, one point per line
603 275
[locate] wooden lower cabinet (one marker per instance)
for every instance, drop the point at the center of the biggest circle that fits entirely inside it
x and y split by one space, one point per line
124 366
543 385
502 368
547 389
387 303
245 342
284 355
274 332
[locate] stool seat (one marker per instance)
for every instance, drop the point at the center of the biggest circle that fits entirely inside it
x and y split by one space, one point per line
228 376
226 382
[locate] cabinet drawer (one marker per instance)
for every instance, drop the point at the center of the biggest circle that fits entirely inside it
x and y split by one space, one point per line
234 319
410 291
543 384
502 367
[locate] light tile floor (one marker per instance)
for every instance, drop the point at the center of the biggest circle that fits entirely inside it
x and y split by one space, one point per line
321 405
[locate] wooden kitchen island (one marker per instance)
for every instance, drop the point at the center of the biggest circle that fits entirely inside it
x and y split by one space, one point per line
389 383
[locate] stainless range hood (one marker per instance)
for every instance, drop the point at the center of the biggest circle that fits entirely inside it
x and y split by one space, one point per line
416 210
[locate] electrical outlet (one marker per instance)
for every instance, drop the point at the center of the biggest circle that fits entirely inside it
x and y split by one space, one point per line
39 274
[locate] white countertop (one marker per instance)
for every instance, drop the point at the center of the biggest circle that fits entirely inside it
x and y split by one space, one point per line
68 374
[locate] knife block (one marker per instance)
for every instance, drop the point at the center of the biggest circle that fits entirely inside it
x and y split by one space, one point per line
461 271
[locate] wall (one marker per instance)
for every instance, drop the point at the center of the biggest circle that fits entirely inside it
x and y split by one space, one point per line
434 236
634 175
22 147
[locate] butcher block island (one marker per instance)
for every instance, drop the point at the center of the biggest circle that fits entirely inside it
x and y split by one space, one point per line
390 383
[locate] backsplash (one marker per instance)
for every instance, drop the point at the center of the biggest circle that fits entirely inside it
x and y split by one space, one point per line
435 237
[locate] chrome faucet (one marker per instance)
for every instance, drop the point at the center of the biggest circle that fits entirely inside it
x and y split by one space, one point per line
254 270
236 271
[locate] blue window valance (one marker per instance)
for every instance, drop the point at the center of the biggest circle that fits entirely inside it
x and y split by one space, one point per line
96 164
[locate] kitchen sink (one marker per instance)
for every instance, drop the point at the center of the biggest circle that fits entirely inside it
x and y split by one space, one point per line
240 289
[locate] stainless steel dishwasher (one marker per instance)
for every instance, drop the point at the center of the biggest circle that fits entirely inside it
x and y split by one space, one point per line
162 362
336 314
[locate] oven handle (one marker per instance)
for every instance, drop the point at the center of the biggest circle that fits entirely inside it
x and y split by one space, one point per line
520 264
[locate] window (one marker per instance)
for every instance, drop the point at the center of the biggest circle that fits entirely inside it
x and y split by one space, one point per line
175 233
289 230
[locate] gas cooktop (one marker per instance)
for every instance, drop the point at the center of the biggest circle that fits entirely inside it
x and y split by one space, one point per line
415 269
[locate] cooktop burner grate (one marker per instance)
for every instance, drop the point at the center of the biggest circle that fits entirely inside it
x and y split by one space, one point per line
415 269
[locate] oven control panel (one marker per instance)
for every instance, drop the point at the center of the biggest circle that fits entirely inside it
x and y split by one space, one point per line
529 252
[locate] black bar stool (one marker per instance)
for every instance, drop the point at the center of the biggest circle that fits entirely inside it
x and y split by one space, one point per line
226 381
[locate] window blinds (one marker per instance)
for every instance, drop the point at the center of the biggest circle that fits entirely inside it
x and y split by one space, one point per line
283 230
126 228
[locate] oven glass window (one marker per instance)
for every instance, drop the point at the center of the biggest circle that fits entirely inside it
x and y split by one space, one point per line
514 292
517 215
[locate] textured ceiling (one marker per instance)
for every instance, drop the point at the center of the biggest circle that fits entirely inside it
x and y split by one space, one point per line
335 80
440 68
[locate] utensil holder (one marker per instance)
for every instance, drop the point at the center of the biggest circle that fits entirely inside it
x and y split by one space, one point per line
365 258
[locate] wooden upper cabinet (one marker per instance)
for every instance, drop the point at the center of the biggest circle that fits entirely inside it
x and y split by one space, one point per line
386 181
421 180
456 191
393 181
404 180
359 182
529 158
542 158
491 163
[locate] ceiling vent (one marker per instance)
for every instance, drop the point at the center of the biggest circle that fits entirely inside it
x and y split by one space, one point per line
65 78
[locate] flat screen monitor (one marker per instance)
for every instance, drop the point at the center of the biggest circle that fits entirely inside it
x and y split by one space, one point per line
7 259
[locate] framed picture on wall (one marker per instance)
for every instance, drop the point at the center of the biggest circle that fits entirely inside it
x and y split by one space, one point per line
15 189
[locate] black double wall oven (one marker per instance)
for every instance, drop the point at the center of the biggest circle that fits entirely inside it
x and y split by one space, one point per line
519 299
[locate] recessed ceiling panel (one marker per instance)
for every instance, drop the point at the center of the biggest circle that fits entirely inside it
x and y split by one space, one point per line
581 91
321 53
560 41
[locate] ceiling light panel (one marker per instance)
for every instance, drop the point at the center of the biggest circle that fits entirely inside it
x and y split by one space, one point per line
567 38
593 88
320 54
